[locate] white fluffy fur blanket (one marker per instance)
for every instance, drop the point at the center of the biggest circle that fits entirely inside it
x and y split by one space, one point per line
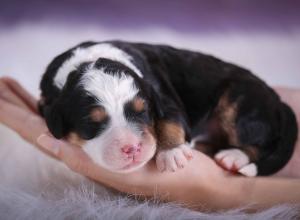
34 186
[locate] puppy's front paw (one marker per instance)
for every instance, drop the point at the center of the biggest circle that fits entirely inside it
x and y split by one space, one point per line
173 159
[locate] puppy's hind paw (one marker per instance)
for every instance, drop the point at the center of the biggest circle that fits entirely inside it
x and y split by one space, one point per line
237 161
173 159
232 159
249 170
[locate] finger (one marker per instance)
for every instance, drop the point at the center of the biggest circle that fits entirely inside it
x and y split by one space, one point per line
7 94
30 101
24 122
72 155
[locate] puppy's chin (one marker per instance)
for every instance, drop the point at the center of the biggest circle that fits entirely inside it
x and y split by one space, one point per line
120 166
130 168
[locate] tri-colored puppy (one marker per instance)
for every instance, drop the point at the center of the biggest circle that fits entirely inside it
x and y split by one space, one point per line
125 102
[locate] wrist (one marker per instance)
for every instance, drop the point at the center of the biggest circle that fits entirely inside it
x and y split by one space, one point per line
227 192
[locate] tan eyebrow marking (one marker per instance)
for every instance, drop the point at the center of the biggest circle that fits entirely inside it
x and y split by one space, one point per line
98 114
138 104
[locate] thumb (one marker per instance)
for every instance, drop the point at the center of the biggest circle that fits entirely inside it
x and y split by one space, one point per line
72 155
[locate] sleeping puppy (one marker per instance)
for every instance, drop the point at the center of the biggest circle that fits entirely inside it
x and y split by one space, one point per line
126 102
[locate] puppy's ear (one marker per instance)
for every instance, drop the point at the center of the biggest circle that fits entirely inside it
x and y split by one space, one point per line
54 116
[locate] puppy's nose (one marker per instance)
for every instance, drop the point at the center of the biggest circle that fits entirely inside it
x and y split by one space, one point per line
131 149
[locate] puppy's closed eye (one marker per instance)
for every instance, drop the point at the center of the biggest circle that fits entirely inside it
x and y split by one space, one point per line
92 125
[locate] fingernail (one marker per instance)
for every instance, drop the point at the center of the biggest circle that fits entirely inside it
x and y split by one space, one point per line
48 143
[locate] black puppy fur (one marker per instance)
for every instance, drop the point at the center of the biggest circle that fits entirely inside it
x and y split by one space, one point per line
199 93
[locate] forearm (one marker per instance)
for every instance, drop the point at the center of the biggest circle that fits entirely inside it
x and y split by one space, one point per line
273 191
262 192
233 192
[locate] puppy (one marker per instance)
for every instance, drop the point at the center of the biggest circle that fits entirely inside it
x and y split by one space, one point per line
125 102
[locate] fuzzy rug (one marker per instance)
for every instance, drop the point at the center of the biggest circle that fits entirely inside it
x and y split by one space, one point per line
84 203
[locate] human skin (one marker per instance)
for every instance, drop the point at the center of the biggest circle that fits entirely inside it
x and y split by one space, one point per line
202 184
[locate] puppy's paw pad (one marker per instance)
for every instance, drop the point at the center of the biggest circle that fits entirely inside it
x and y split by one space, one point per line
249 170
173 159
232 159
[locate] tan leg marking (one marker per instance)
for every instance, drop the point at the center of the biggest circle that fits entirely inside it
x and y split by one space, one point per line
174 153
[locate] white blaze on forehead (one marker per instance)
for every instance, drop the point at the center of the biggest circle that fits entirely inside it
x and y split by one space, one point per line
91 54
111 90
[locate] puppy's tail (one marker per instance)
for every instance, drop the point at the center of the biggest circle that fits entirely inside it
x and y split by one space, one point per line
284 146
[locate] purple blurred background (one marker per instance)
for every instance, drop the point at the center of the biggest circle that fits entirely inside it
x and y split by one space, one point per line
183 15
263 35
